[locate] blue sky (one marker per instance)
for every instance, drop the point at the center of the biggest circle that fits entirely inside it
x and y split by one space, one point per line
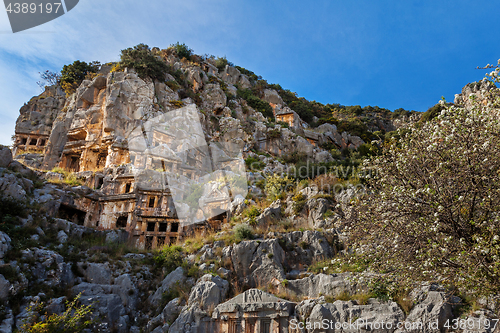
387 53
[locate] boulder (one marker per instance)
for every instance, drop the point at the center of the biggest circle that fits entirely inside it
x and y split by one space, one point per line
309 192
49 267
116 236
481 321
272 96
356 141
176 277
208 292
326 128
4 288
304 247
270 214
107 307
95 272
238 205
434 306
56 305
213 97
189 320
8 323
154 323
323 157
62 237
4 244
125 288
316 208
5 156
172 310
12 187
258 262
304 308
230 75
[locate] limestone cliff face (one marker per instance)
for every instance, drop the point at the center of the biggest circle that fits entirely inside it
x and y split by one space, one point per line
484 92
89 130
37 117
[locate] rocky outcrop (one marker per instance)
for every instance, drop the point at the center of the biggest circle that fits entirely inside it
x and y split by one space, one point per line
305 246
322 285
4 288
95 273
5 242
258 262
434 306
189 320
475 92
14 187
49 267
176 277
214 97
270 214
5 156
208 291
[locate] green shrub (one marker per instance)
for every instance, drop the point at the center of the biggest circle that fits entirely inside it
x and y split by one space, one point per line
274 134
254 163
255 102
252 76
355 126
75 319
328 146
191 270
252 212
243 231
182 50
432 112
367 149
173 85
295 157
169 257
300 201
221 63
10 208
69 178
276 185
72 75
144 62
8 272
283 124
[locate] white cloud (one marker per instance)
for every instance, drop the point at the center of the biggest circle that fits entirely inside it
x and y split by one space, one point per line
98 30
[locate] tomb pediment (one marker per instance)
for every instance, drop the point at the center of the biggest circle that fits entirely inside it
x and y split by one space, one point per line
254 300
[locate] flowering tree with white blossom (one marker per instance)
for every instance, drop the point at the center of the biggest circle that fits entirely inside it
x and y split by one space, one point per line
433 210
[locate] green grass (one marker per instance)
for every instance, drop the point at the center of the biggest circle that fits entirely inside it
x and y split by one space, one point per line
69 178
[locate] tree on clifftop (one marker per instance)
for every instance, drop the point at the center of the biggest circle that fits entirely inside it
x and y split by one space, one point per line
72 75
144 62
433 208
